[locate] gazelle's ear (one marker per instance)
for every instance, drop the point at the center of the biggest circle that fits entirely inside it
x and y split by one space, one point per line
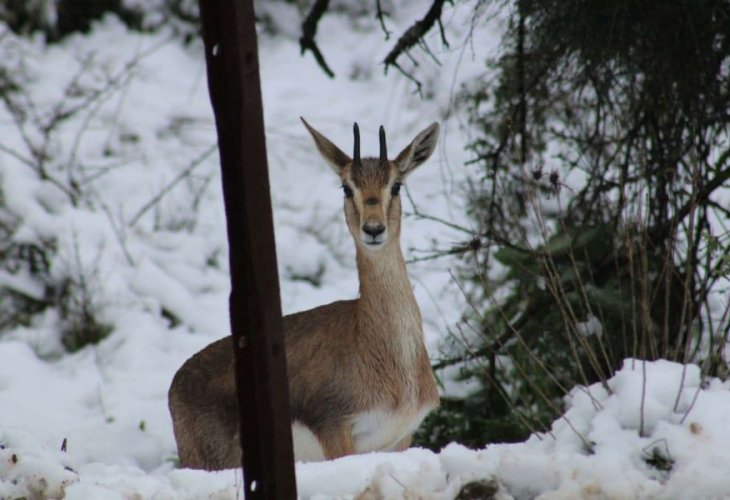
334 155
418 151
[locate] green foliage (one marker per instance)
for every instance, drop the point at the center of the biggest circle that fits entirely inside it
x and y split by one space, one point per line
57 19
72 296
659 458
478 490
619 100
718 247
24 261
81 327
60 18
470 421
29 262
80 311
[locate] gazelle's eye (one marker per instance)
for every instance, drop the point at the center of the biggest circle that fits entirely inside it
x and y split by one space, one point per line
347 190
395 189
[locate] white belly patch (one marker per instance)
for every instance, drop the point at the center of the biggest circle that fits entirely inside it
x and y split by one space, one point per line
382 430
374 430
306 444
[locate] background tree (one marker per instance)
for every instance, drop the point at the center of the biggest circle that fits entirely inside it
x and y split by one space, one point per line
602 155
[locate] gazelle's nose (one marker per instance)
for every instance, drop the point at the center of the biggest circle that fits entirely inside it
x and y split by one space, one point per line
373 230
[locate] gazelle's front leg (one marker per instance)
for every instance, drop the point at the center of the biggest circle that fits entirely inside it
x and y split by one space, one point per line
337 442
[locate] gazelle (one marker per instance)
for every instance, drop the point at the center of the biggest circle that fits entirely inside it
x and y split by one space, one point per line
359 374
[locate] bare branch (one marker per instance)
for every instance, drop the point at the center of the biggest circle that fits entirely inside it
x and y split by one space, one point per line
443 32
182 175
18 156
414 34
412 78
722 175
457 249
309 30
379 15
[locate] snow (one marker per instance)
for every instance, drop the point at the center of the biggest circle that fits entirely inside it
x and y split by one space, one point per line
595 451
160 278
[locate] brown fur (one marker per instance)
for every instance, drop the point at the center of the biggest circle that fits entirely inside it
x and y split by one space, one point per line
344 359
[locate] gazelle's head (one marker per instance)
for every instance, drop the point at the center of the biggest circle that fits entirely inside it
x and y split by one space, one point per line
372 185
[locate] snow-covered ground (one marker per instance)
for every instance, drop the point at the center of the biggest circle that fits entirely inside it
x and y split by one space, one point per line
597 450
157 272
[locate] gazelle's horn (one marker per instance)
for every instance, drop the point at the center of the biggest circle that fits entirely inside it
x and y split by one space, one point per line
356 153
383 147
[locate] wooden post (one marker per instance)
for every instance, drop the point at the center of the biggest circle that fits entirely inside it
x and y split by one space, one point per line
231 55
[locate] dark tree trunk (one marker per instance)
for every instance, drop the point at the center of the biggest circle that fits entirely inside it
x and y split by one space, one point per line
233 78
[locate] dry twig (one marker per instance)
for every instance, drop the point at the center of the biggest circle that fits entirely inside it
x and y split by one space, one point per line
309 31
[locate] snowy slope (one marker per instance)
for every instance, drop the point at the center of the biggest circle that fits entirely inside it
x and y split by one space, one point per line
157 273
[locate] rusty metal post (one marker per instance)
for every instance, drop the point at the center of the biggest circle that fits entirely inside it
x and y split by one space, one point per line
231 55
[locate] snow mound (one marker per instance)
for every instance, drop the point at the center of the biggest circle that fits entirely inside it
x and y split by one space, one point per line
604 446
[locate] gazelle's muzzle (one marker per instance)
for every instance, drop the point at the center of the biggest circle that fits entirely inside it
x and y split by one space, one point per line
374 234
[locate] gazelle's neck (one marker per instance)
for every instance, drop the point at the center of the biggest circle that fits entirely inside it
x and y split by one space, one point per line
385 290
